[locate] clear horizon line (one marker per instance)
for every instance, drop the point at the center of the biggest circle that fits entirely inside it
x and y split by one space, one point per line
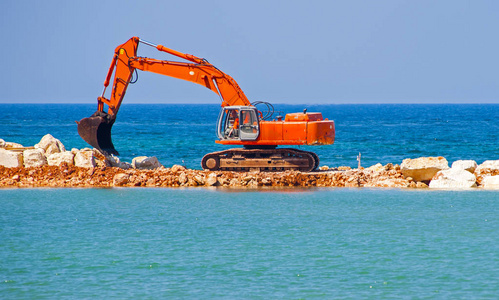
284 103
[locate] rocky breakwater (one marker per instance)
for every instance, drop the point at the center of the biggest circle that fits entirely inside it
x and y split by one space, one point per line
49 164
66 175
463 174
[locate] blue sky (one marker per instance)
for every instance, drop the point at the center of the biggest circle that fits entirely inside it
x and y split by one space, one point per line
387 51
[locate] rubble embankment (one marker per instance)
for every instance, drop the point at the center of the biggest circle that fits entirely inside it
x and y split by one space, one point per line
177 176
48 164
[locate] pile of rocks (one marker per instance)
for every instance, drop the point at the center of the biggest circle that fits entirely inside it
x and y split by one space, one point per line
66 175
461 175
51 152
49 164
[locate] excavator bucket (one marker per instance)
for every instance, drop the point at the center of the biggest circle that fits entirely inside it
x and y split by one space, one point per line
96 131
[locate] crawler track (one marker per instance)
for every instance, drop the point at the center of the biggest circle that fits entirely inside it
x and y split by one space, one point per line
270 160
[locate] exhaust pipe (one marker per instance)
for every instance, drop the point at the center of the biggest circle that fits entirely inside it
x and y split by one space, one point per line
96 131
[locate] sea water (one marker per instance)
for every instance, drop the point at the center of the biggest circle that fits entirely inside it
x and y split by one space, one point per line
197 243
257 243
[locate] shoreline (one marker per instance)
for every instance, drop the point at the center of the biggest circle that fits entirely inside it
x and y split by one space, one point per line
48 164
66 176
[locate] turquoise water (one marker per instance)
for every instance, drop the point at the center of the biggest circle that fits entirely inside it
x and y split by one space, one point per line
222 243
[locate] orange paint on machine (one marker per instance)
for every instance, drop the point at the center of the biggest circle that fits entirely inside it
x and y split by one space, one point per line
240 122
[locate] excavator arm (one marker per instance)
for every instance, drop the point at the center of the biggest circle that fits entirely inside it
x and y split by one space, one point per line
96 130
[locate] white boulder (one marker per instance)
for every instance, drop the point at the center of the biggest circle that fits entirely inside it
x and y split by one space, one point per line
182 178
11 159
85 159
124 165
212 180
488 164
491 182
2 143
115 162
486 169
200 180
13 145
376 168
56 159
146 163
468 165
454 178
423 168
34 158
120 179
50 145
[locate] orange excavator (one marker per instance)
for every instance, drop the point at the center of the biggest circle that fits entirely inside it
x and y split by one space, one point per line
239 123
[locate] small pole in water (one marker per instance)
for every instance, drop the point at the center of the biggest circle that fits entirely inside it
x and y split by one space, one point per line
358 159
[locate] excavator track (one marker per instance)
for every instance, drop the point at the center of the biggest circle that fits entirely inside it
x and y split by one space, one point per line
269 160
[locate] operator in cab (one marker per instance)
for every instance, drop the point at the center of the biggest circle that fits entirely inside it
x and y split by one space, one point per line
234 124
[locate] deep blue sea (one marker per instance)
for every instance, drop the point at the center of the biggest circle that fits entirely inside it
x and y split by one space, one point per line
182 134
337 243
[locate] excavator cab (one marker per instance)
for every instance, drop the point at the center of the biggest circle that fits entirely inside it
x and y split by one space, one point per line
238 123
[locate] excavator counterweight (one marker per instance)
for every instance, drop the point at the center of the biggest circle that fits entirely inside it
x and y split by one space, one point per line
239 123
